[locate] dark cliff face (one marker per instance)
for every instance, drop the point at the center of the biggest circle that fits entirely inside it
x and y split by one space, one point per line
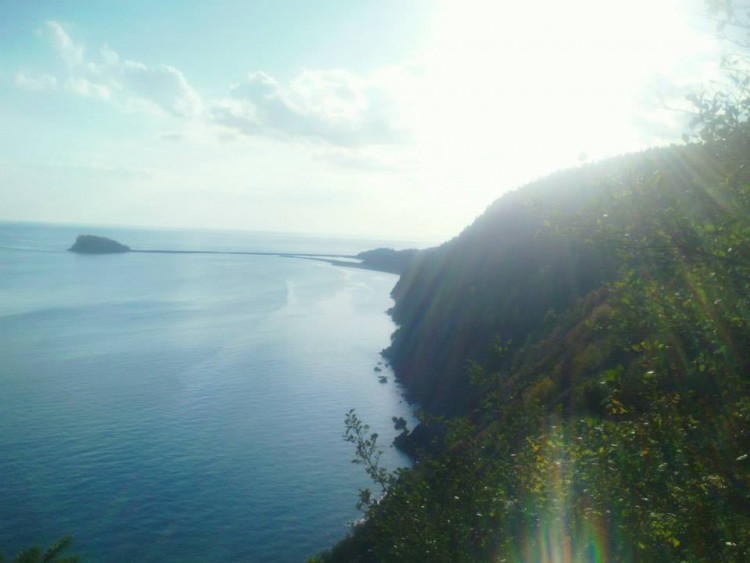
495 283
91 244
645 372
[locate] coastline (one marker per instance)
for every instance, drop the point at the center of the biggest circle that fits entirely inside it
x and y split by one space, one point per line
381 260
201 378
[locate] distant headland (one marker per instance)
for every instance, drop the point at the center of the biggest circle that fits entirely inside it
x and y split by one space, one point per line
91 244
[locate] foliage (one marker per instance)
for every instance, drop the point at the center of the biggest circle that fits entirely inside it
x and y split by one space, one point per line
721 113
596 348
53 554
367 453
615 426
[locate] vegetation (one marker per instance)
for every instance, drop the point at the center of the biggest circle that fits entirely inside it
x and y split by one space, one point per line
54 554
387 259
589 339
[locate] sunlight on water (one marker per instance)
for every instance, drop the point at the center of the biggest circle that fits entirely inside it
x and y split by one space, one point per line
185 406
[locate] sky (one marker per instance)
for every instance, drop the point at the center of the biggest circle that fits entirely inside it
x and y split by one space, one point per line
387 118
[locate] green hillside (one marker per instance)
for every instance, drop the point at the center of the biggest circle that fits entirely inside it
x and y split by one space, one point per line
588 338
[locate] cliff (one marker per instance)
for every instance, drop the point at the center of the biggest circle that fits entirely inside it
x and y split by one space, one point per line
589 336
528 258
493 283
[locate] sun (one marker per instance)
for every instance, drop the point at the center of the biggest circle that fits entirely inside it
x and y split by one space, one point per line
511 91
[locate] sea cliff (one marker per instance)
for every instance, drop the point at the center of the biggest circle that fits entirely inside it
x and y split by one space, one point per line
580 353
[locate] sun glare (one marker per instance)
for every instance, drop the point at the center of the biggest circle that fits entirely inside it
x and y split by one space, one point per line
536 86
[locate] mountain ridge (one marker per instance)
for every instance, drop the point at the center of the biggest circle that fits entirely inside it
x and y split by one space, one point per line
580 357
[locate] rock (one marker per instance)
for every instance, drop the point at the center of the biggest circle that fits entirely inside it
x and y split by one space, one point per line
91 244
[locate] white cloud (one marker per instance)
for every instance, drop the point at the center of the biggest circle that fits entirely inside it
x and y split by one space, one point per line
92 167
131 85
369 160
334 106
35 81
66 48
89 88
162 85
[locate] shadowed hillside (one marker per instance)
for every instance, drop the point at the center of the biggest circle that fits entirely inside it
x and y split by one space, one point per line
528 257
589 336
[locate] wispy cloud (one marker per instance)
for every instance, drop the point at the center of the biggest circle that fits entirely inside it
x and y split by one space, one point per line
80 167
35 81
334 106
367 159
130 85
66 48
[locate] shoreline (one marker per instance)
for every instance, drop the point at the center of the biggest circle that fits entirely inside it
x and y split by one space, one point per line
385 260
345 260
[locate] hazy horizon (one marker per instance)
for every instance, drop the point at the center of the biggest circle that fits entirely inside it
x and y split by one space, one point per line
374 119
99 228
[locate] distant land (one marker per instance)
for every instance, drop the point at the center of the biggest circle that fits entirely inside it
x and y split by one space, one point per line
91 244
380 259
388 260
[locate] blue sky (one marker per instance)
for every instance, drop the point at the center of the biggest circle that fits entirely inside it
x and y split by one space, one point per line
385 118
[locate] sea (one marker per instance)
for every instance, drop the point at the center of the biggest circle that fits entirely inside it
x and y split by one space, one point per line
187 407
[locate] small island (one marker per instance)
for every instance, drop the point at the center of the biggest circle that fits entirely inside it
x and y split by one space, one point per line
91 244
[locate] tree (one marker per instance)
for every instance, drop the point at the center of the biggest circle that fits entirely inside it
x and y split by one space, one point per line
722 113
367 453
53 554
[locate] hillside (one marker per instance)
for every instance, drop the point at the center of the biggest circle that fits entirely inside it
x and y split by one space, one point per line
588 336
527 258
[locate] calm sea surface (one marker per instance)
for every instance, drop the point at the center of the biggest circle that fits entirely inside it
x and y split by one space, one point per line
185 407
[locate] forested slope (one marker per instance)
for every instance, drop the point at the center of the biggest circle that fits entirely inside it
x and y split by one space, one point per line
589 336
528 257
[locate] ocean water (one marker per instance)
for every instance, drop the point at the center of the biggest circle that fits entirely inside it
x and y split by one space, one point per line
186 407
